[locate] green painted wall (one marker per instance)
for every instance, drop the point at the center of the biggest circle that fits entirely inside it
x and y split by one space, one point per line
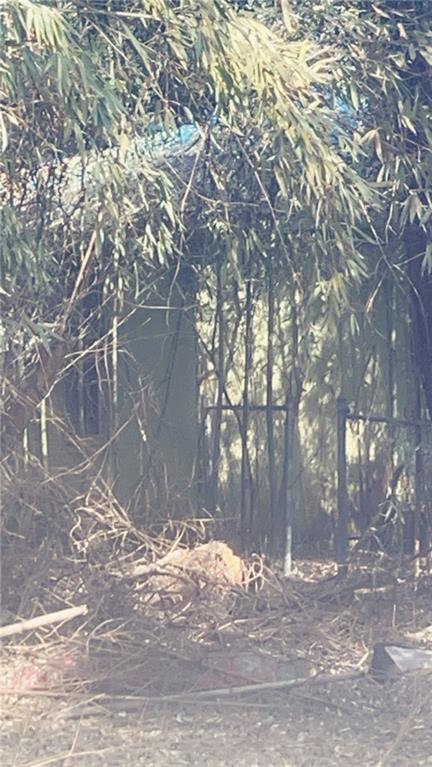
154 456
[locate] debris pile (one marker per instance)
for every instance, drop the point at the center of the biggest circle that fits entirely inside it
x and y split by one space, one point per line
211 569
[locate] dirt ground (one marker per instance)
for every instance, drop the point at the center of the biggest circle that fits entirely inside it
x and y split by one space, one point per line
345 725
330 624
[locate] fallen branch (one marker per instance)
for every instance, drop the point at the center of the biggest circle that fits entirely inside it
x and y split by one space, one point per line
247 688
42 620
134 702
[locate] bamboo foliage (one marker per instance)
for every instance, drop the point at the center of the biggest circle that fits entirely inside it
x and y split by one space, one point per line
88 96
307 159
75 103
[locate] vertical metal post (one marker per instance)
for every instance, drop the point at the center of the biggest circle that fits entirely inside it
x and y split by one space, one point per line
44 433
203 463
269 407
342 489
421 544
289 494
419 534
246 475
216 420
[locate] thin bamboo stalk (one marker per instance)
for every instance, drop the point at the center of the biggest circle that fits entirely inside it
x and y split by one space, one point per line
269 404
293 402
42 620
245 505
217 420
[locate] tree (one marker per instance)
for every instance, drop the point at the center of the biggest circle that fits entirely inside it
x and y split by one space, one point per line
299 180
385 59
88 87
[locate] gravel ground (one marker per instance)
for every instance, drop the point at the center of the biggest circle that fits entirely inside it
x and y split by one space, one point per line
356 723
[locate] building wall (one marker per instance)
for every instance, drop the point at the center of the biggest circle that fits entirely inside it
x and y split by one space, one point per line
154 456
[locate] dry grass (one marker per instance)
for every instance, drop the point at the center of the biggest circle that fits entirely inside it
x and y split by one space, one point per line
124 684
